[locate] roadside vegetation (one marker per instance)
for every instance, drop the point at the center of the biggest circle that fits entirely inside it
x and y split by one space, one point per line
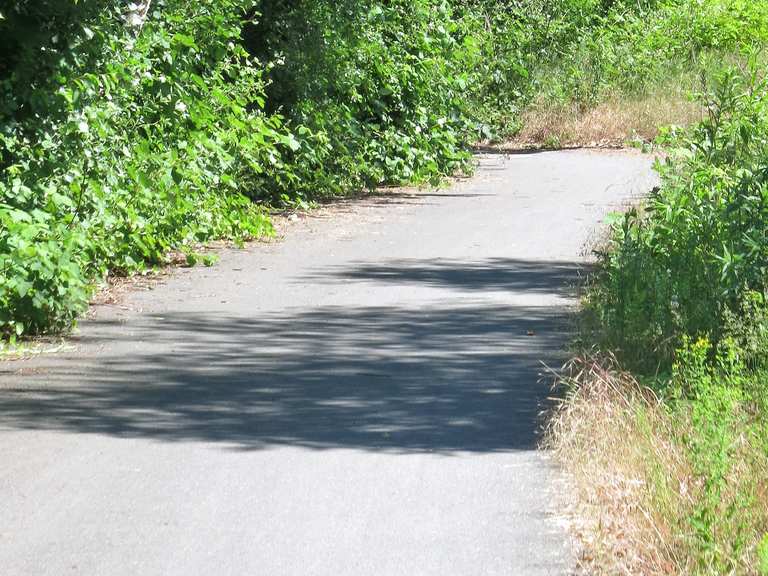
665 428
126 134
129 132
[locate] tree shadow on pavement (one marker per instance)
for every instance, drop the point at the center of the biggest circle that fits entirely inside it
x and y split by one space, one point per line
492 274
444 378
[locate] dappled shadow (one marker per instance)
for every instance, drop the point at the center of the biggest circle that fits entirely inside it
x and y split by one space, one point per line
389 196
443 378
491 150
492 274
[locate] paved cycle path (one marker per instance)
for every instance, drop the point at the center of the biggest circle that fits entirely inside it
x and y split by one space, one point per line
358 399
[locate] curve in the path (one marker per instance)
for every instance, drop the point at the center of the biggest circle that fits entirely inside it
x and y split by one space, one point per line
360 398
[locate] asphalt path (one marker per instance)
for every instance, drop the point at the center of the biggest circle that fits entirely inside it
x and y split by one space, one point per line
360 398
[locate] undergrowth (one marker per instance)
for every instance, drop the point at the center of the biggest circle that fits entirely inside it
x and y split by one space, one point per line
132 131
125 135
119 143
662 485
679 299
128 131
634 64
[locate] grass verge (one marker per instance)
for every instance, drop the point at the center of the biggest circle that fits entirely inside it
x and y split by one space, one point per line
643 505
616 121
670 460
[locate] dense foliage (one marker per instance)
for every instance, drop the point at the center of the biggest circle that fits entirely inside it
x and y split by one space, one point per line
119 144
681 295
630 45
121 141
125 135
128 131
692 260
381 86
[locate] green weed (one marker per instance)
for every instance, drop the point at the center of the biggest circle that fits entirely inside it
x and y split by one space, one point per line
120 143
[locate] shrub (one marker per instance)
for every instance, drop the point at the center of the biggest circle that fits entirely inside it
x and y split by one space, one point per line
377 89
123 137
689 256
121 146
121 141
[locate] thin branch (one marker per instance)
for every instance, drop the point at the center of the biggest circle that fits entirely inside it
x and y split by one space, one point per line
137 14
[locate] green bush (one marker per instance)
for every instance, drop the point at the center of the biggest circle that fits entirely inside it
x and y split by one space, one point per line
681 295
691 255
377 90
119 146
121 141
628 47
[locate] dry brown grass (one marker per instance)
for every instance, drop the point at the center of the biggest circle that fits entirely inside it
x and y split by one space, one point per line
614 122
633 488
595 434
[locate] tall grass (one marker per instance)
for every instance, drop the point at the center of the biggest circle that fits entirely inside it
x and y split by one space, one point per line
621 70
673 457
639 491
